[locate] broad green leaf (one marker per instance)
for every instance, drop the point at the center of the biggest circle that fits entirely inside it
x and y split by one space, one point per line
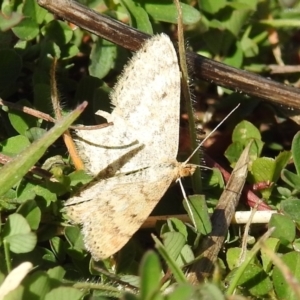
58 248
256 281
182 292
285 229
27 29
66 293
57 273
18 235
186 256
235 59
212 6
282 288
175 269
31 212
102 58
34 11
245 131
7 22
281 160
272 244
292 179
138 16
291 208
198 212
35 133
74 237
211 291
173 242
59 32
14 145
20 120
166 11
177 226
263 170
237 19
38 284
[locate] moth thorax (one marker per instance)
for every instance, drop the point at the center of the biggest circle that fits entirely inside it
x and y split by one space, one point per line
186 170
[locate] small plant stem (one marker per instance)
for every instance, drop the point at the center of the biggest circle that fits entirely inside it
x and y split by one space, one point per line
7 255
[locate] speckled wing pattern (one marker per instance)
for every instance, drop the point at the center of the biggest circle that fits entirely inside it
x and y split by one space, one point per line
114 209
146 103
137 154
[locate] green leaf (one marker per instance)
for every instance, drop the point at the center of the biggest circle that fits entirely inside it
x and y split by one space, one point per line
263 170
173 242
212 6
31 212
20 120
166 11
272 244
175 269
13 171
66 293
285 229
151 274
245 131
291 208
182 292
59 32
102 58
234 151
282 287
34 11
291 179
9 21
211 291
37 285
27 191
138 17
232 257
57 273
34 133
27 29
14 145
178 226
255 281
281 160
235 59
186 256
18 235
74 237
57 247
237 19
198 212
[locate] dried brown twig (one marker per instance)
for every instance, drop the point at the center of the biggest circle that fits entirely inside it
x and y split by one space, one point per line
201 67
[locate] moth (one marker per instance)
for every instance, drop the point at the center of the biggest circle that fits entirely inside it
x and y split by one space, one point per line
133 161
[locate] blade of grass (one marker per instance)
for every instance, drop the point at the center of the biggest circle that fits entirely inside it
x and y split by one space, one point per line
13 171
